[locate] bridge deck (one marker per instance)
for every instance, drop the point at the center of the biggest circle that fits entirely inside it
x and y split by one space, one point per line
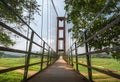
58 72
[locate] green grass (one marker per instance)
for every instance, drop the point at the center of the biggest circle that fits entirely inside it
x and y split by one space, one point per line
11 62
34 60
34 68
103 63
96 62
106 63
11 77
110 64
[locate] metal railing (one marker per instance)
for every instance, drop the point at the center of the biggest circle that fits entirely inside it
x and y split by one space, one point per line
51 56
74 48
47 51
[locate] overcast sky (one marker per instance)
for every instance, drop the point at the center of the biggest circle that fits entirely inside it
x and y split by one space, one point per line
49 22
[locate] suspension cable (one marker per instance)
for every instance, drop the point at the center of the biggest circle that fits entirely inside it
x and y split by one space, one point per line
104 8
9 7
87 27
54 8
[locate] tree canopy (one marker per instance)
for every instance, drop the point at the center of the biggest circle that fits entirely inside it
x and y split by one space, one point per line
82 14
24 8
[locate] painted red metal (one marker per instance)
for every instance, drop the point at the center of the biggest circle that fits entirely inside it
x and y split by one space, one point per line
61 27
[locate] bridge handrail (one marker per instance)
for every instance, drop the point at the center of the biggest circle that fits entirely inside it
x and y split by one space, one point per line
9 7
69 55
51 56
50 53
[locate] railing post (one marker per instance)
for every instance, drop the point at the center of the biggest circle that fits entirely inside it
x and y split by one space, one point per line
68 57
71 57
27 59
42 56
88 60
48 57
76 56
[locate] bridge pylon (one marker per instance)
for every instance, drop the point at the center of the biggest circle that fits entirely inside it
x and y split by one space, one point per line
61 36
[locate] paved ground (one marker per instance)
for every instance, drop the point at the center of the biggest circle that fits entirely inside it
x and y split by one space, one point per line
59 72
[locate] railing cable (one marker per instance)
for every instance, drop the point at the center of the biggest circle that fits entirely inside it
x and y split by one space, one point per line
104 8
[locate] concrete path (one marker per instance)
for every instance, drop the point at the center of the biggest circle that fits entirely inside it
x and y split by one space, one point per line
60 71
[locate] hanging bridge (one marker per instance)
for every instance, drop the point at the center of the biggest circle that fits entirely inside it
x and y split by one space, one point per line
56 64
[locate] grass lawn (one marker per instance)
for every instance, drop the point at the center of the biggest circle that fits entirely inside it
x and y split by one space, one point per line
110 64
11 77
13 62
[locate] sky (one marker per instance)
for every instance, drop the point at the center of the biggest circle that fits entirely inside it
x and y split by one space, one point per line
49 22
47 11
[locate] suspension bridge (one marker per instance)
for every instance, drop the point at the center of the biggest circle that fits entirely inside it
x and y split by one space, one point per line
56 63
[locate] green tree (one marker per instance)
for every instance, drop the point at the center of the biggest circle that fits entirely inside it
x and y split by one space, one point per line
24 8
82 12
5 40
1 54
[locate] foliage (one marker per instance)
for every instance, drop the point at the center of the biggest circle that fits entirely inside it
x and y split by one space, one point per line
82 12
5 39
24 8
1 54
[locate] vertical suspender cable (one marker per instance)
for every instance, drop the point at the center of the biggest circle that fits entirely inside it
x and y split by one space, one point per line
47 22
50 26
42 20
51 21
29 25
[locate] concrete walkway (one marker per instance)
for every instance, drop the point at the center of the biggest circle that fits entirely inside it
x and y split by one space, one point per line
60 71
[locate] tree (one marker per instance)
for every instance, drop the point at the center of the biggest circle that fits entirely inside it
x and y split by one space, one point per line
82 12
1 54
24 8
5 40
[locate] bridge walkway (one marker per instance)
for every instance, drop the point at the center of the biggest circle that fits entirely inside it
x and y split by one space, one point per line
60 71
